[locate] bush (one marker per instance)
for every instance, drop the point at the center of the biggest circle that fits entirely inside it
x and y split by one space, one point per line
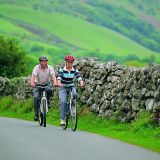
12 58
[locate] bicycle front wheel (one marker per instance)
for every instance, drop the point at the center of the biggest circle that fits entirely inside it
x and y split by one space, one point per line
40 117
73 116
44 112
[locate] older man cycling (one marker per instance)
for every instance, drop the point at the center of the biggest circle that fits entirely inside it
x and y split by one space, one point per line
43 74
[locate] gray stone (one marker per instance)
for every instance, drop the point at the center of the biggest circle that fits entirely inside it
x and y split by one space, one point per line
149 104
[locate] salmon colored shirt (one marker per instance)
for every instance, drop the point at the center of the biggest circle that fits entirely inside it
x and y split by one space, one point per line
43 76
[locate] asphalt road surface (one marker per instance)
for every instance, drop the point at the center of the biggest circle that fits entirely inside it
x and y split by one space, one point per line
24 140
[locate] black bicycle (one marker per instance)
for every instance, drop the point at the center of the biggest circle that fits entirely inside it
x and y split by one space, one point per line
43 105
72 112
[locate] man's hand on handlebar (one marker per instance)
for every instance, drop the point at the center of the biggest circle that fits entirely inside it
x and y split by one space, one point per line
33 85
55 84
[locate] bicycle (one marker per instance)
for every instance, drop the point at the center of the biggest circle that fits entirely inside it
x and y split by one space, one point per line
43 105
71 112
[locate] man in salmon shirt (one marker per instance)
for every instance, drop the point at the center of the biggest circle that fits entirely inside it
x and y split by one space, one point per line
42 74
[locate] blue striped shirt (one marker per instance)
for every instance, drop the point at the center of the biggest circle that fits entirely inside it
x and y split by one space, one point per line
67 77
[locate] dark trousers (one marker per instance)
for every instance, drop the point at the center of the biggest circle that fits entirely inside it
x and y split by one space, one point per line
36 96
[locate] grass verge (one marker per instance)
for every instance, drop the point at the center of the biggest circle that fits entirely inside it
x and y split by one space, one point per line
140 132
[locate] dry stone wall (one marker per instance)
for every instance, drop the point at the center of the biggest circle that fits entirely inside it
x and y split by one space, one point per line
116 91
111 90
16 87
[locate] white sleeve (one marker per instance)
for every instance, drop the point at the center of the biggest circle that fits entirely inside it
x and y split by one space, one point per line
51 70
35 71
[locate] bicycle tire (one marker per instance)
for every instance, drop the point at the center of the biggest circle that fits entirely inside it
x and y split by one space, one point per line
44 112
73 116
40 117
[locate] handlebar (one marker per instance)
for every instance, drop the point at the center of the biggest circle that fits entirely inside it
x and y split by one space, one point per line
42 87
68 85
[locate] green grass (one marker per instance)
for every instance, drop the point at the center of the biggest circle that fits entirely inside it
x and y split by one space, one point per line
78 32
140 14
140 132
147 137
11 28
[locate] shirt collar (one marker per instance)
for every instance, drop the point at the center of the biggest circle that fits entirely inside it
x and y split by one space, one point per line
67 70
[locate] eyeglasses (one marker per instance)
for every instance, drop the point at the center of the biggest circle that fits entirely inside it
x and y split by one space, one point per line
69 62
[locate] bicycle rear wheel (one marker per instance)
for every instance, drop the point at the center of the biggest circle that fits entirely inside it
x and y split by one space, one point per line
73 116
44 112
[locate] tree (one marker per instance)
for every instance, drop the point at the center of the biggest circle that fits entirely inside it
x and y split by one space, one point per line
12 58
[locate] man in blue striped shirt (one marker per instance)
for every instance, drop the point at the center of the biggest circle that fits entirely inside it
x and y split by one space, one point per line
65 82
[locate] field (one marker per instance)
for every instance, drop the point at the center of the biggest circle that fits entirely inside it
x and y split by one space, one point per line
58 32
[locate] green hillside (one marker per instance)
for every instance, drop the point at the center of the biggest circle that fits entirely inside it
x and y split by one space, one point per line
128 17
59 27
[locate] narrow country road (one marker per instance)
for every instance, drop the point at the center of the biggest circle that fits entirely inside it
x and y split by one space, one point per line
24 140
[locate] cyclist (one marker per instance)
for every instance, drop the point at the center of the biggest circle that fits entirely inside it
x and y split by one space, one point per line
43 74
65 81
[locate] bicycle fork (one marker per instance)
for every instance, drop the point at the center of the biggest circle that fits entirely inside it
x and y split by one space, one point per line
41 104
